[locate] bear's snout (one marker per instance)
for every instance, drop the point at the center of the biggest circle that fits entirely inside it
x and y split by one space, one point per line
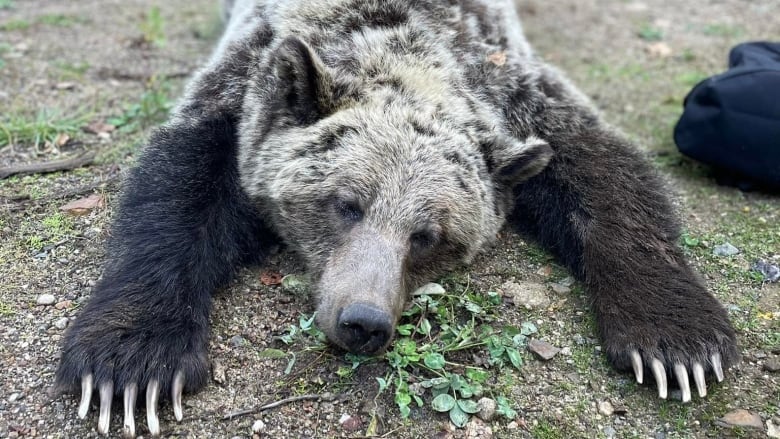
364 329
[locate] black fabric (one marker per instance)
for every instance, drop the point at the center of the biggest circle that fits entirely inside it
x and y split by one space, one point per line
731 121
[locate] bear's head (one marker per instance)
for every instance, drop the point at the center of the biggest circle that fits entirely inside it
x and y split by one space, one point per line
378 188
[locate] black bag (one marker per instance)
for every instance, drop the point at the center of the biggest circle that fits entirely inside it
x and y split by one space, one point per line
731 121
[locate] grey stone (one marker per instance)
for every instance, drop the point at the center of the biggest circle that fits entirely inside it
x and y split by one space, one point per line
487 409
567 281
560 289
725 249
609 432
238 341
258 426
741 418
772 365
61 323
46 299
772 430
218 372
770 272
542 349
526 294
476 429
430 289
606 408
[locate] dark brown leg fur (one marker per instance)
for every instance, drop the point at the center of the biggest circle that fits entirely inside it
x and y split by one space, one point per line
600 208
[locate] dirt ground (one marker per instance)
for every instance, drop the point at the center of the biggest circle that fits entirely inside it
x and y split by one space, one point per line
124 60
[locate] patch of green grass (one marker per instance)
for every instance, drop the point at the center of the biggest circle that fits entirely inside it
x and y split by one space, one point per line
60 20
211 28
4 47
770 340
49 230
35 242
689 79
649 33
57 224
6 309
546 430
536 254
71 70
16 24
35 191
677 415
582 357
151 109
688 55
44 127
722 30
153 28
6 4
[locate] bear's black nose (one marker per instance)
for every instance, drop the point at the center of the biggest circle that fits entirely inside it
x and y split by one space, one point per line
364 329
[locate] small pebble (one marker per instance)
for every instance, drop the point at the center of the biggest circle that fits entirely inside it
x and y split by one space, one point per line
46 299
605 408
770 272
772 365
430 289
512 425
298 284
772 430
350 423
61 323
487 409
609 432
237 341
560 289
258 426
14 396
567 282
741 418
542 349
476 429
725 249
219 372
64 304
529 295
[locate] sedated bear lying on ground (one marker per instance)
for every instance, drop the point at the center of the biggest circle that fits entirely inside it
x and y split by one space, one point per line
386 142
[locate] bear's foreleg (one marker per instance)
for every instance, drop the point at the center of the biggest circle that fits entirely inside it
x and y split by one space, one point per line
602 210
182 228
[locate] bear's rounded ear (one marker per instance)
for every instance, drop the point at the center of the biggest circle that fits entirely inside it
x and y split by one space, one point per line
304 85
513 161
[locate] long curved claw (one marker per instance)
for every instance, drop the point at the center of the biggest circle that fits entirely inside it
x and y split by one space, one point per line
636 363
152 395
128 430
660 377
106 396
698 377
716 366
682 380
176 391
86 395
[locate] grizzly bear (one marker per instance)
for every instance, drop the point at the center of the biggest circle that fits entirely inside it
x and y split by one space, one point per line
385 142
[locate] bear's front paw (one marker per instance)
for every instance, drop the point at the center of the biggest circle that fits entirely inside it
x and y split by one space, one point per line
122 354
672 338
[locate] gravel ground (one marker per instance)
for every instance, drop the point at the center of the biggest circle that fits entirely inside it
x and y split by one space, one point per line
635 59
